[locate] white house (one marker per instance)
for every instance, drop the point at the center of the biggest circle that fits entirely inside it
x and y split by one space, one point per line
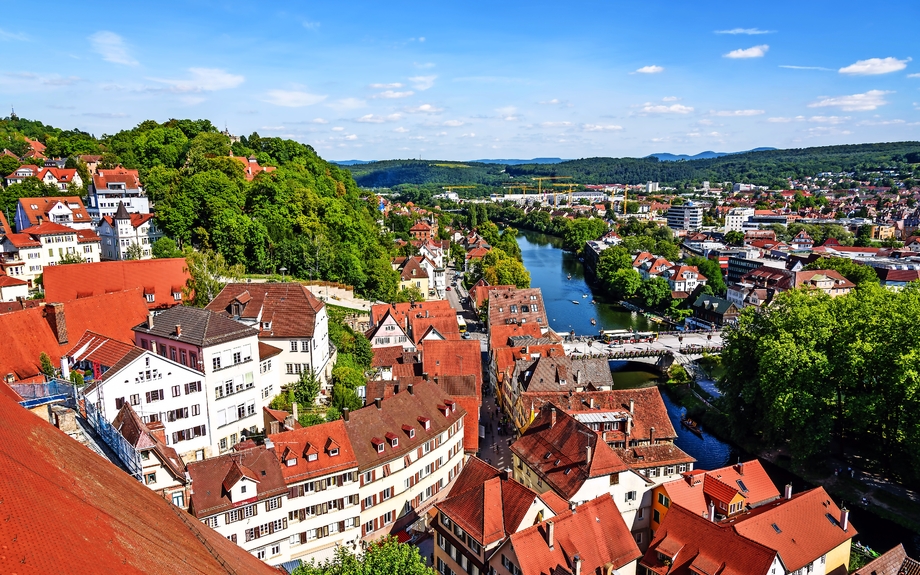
122 230
24 255
111 187
684 278
66 211
736 218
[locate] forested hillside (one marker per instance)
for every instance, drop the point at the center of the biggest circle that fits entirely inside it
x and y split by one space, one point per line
308 215
768 168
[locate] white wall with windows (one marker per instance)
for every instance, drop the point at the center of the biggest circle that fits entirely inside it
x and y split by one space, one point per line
301 354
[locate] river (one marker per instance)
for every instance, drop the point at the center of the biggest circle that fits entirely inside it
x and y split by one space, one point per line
549 268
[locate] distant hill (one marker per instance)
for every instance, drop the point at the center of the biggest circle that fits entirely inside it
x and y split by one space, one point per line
518 162
353 162
665 157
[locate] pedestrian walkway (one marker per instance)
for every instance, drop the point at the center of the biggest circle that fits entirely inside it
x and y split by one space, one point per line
495 448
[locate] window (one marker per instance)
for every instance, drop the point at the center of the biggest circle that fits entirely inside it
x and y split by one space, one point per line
150 297
638 538
211 522
640 514
155 395
175 391
630 496
387 493
150 478
177 295
663 500
260 554
276 549
656 516
215 362
305 346
183 357
293 346
178 499
135 399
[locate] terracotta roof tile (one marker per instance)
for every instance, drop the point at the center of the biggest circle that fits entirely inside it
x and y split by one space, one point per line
509 305
44 205
318 436
66 283
212 476
400 311
893 562
200 327
291 307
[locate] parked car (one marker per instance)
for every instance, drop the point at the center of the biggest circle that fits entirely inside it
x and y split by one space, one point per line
466 335
448 288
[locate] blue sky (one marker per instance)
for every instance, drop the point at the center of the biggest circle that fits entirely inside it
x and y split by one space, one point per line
381 80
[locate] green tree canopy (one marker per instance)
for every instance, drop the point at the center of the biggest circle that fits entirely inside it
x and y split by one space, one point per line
713 272
853 271
655 292
383 557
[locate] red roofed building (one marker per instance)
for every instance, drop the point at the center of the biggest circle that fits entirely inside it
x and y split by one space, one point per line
251 167
483 509
13 289
122 230
111 187
114 524
592 538
421 231
162 280
26 255
21 173
828 281
479 293
64 210
457 367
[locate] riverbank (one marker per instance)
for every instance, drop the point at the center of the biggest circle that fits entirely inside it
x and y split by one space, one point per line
844 478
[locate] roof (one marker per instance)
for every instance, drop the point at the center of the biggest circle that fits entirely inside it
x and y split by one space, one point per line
566 443
499 334
808 527
897 276
696 489
132 428
643 456
714 304
162 277
397 413
810 277
115 524
594 532
289 307
26 333
44 205
449 357
411 269
100 349
893 562
564 373
213 477
7 281
321 439
399 311
136 220
488 505
102 178
266 351
446 326
502 300
693 542
200 327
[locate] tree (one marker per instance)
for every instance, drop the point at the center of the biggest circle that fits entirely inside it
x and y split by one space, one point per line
77 378
306 389
383 557
499 269
853 271
654 292
70 259
582 230
134 252
165 248
611 261
408 294
209 274
46 366
344 397
734 238
625 283
713 272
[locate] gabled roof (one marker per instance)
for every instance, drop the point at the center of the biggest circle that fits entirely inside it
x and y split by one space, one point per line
400 311
200 327
320 437
114 523
500 333
132 428
553 374
100 349
289 307
594 532
136 220
893 562
211 478
566 442
445 325
714 304
453 358
103 177
76 281
44 205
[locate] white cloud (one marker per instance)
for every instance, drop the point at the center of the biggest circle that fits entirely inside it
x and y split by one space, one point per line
390 86
552 102
292 98
705 122
735 113
19 36
425 109
347 104
338 129
650 70
203 80
112 48
506 110
880 122
319 121
401 130
469 135
694 135
50 80
649 108
855 103
745 31
555 124
351 137
780 120
670 99
423 65
601 128
374 119
875 66
453 123
828 119
753 52
392 95
790 67
422 82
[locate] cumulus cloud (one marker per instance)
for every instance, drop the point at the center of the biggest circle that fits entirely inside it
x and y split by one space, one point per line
375 119
670 99
745 31
649 108
854 103
913 75
112 48
828 119
292 98
752 52
453 123
203 80
555 124
553 102
601 127
319 121
880 122
401 130
874 66
351 137
338 129
735 113
422 82
392 95
468 135
425 109
390 86
650 70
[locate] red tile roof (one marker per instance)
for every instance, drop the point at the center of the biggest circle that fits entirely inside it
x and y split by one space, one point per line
213 477
893 562
115 524
500 333
320 439
594 532
44 205
453 358
137 220
252 167
25 334
7 281
119 175
23 241
400 311
289 307
446 325
100 349
132 428
694 491
163 276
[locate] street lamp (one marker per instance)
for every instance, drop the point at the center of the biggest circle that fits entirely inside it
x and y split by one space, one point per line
282 270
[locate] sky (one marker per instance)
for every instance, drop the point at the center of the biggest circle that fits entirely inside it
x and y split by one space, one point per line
472 80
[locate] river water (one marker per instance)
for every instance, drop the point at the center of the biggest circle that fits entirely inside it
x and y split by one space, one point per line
549 268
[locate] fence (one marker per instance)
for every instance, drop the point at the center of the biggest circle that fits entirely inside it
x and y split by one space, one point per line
126 452
35 394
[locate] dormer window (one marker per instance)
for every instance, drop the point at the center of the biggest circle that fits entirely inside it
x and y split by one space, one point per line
378 444
334 452
393 439
426 423
312 457
291 462
410 431
242 489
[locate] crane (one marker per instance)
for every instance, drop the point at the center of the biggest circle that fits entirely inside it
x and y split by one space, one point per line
523 187
570 186
541 178
450 189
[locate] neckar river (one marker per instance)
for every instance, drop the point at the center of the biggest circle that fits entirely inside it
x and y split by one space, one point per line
550 269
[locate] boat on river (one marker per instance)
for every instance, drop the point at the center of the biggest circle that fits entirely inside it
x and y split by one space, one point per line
569 277
576 302
584 295
693 426
593 321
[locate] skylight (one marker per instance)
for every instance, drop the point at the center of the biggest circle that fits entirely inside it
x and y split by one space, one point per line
776 528
741 485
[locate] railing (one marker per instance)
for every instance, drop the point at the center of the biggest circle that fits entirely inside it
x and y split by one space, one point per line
126 452
35 394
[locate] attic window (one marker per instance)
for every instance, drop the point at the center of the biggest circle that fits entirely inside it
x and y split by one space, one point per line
378 443
741 485
409 430
548 455
557 462
426 423
312 456
333 452
266 325
291 462
567 471
776 528
393 439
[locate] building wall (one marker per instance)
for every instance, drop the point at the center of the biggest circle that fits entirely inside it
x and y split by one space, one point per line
118 238
12 293
54 247
839 556
261 547
311 353
386 337
321 538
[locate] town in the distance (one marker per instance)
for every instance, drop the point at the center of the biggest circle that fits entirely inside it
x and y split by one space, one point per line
223 354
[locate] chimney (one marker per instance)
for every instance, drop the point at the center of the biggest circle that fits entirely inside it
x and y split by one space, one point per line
425 376
628 426
158 431
604 436
178 330
294 406
588 455
552 417
274 426
788 491
345 414
153 347
632 405
844 518
592 403
740 468
550 534
712 511
410 389
576 563
65 367
505 474
54 313
651 436
149 320
378 402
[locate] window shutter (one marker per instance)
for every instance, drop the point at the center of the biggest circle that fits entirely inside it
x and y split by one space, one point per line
119 401
341 526
148 396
